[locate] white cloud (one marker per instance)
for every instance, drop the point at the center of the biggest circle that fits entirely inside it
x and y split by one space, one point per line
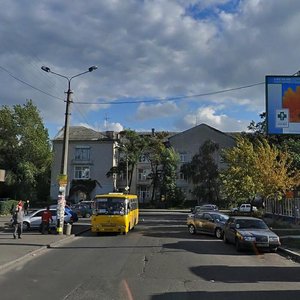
209 115
146 49
153 111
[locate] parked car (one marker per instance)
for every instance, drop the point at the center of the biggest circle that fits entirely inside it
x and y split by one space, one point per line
83 209
204 207
246 207
250 232
34 219
69 210
209 222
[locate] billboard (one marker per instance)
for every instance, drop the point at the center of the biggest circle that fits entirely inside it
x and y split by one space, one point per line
283 104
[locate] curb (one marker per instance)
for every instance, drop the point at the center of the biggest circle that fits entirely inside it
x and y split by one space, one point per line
289 254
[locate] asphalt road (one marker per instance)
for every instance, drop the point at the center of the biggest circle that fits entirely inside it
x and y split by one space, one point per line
157 260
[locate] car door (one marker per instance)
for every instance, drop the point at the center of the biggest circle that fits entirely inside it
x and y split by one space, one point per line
198 220
36 219
208 224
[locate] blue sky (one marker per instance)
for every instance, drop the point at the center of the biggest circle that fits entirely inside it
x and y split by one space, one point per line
162 64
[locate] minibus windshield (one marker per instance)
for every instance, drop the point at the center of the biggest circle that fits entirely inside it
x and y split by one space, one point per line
110 206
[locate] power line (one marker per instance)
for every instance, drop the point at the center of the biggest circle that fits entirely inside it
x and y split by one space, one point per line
139 101
28 84
175 98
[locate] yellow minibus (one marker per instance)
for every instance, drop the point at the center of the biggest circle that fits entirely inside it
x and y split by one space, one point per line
114 212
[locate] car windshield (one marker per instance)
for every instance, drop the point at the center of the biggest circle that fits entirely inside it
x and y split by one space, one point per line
110 206
251 224
222 218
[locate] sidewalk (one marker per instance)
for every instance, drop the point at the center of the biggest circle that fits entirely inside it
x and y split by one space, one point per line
31 244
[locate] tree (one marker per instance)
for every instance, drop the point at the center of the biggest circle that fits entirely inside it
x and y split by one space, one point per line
153 153
130 148
275 169
25 152
170 159
240 179
203 171
262 169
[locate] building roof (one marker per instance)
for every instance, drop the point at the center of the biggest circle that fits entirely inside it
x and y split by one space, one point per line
203 126
81 133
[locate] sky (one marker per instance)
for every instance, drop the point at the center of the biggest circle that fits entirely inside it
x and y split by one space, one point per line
163 64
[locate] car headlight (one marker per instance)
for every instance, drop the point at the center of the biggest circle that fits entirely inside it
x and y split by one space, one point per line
249 238
273 238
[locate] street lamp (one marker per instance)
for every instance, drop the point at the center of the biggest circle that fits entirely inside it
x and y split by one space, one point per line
63 177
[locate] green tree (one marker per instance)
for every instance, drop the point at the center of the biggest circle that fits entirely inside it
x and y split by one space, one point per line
240 179
203 171
170 159
25 152
261 169
131 146
154 154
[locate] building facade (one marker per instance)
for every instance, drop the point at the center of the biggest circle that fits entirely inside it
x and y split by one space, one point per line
92 154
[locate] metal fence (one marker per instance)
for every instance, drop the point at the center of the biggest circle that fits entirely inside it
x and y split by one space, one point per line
285 207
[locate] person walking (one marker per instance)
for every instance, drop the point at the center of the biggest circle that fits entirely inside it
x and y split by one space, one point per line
46 218
18 218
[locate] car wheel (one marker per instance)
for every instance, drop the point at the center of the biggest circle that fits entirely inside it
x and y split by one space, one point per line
273 249
26 226
218 233
192 229
238 245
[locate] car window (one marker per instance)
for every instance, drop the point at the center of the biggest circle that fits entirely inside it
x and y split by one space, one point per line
199 215
207 217
222 218
39 213
251 224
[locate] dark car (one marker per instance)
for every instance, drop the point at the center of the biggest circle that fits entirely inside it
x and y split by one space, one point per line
83 209
208 222
250 232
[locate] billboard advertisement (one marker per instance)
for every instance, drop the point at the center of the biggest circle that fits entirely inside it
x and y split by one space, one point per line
283 104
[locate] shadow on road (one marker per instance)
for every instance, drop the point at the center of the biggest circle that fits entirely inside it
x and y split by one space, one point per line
249 274
232 295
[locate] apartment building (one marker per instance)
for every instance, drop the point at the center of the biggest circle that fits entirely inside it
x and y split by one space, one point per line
92 154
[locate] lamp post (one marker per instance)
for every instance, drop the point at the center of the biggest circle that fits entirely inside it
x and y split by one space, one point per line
63 177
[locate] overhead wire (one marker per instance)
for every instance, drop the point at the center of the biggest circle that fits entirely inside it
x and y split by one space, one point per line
138 101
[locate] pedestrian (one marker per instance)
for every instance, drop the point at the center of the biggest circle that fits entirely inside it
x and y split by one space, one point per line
26 207
46 218
18 218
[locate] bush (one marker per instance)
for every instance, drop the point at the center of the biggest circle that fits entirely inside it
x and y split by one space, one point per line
6 206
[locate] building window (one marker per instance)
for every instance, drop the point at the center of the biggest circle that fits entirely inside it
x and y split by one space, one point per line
183 157
142 174
82 172
182 176
143 158
82 153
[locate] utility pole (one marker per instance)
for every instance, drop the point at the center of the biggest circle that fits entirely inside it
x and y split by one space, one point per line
63 176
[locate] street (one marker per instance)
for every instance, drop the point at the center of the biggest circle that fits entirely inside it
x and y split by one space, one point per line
159 259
